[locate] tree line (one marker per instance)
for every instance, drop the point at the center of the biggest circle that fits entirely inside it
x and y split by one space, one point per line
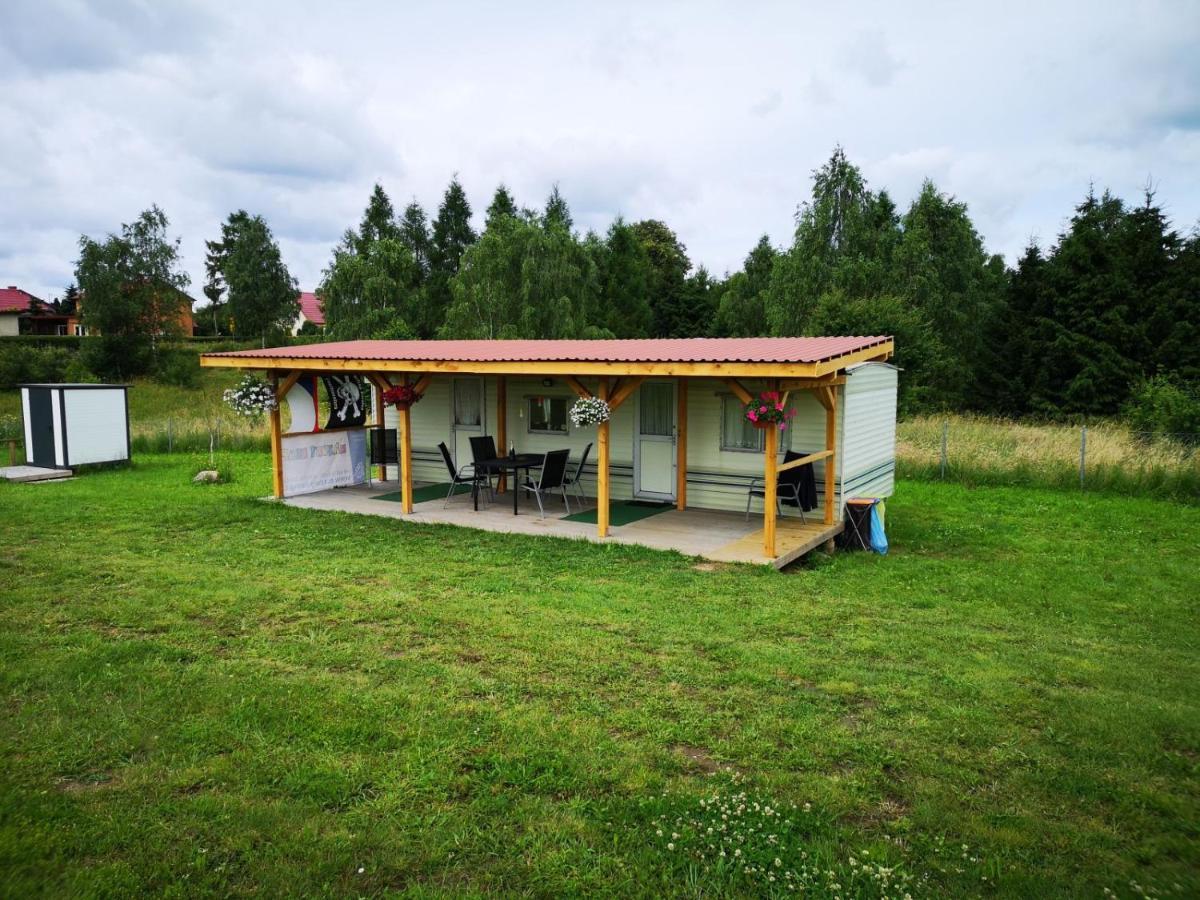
1075 328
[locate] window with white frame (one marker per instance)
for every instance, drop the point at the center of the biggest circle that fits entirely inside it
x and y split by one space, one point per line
737 432
547 415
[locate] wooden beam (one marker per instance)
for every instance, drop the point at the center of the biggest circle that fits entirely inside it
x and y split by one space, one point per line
405 443
602 488
804 461
740 392
807 384
681 448
276 444
809 370
770 462
625 391
824 396
831 462
423 383
288 384
577 387
502 427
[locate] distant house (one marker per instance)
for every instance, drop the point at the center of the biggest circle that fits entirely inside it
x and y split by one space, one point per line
310 311
23 313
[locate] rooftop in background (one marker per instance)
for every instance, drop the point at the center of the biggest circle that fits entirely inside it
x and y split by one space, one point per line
310 306
666 350
13 299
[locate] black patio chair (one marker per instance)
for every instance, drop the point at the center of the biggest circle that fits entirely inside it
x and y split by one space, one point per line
577 477
459 476
483 448
795 487
552 477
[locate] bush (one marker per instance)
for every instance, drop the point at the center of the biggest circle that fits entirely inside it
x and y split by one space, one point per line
1163 406
118 357
180 368
22 363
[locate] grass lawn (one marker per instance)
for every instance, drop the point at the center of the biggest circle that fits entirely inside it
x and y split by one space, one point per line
208 694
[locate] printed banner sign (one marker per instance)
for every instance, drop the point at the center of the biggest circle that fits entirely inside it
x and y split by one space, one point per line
317 462
302 404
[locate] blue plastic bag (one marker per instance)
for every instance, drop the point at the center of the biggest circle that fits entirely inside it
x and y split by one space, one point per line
879 541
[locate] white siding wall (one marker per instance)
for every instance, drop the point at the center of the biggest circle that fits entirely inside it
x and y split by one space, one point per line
869 435
96 429
10 325
717 479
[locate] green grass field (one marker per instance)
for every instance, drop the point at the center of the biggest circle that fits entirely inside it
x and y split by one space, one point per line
208 694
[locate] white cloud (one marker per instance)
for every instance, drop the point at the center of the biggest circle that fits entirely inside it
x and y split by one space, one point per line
710 117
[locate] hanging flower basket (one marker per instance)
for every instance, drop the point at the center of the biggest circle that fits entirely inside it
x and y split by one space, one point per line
402 396
768 411
251 398
589 411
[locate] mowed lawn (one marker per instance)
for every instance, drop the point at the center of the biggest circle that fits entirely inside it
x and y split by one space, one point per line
208 694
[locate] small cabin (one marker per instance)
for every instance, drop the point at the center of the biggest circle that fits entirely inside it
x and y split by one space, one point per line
68 425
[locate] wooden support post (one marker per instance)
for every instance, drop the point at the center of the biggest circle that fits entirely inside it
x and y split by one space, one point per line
770 461
681 451
602 492
276 443
405 444
502 426
831 448
380 426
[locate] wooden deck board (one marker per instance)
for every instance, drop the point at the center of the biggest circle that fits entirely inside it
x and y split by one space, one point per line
792 540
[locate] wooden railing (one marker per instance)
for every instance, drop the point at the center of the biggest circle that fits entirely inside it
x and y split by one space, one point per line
804 460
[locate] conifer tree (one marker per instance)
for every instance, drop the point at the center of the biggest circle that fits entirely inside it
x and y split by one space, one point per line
452 235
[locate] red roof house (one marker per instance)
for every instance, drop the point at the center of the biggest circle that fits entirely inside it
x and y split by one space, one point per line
310 311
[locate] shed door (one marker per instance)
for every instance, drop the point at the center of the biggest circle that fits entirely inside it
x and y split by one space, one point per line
654 453
41 428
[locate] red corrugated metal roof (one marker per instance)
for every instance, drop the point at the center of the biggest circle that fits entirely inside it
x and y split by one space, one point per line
682 350
310 305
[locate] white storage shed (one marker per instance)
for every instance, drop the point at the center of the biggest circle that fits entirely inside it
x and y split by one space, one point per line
69 425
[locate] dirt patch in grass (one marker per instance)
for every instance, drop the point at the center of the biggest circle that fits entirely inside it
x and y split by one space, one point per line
699 758
99 781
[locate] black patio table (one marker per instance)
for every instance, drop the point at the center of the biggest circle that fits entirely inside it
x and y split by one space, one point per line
514 464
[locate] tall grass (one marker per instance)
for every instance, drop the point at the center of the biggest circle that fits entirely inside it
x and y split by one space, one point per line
982 450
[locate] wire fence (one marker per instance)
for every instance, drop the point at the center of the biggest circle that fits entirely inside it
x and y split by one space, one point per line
1105 456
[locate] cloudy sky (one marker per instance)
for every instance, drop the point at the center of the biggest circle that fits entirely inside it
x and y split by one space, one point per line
709 116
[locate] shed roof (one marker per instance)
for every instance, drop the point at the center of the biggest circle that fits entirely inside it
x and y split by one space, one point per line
668 350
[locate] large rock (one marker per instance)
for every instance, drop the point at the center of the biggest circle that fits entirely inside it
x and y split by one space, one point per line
208 476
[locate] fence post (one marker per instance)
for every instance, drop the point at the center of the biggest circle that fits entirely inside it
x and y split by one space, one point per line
170 435
945 433
1082 454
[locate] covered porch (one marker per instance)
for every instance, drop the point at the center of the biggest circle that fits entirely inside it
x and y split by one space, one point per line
716 535
671 428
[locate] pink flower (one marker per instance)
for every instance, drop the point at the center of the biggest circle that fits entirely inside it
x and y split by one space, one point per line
762 409
752 416
779 406
782 425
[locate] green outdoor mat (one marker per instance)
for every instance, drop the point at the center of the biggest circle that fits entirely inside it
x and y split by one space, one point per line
428 492
623 512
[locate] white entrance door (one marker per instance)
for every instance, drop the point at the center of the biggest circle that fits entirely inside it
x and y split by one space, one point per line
466 417
654 442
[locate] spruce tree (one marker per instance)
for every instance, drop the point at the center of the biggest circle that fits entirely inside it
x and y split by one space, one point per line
741 308
378 221
669 265
452 235
503 206
414 234
624 283
558 214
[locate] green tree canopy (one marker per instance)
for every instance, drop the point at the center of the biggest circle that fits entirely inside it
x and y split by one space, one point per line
452 235
263 299
132 287
741 308
523 279
624 272
669 267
